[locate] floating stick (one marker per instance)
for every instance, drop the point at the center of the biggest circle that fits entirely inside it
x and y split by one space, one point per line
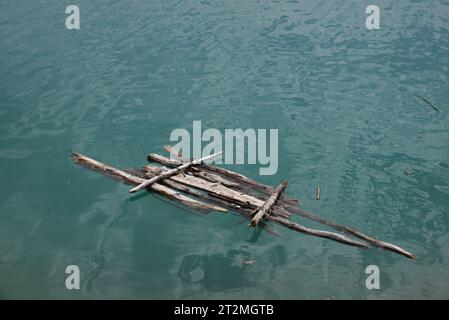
427 101
174 171
131 179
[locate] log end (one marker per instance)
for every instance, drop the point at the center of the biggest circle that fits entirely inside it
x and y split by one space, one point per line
171 150
75 156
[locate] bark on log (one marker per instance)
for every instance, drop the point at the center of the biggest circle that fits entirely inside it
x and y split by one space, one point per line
133 180
267 206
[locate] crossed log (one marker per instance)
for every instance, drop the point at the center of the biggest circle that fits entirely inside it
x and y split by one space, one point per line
203 187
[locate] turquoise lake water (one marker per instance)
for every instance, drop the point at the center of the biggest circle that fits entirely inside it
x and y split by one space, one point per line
342 97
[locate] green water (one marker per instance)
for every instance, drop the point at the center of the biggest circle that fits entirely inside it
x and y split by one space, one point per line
341 96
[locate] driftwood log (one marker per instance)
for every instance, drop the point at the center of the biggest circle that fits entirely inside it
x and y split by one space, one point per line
134 180
242 180
245 184
206 187
218 190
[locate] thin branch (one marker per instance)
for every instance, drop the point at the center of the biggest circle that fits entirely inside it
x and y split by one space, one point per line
427 101
174 171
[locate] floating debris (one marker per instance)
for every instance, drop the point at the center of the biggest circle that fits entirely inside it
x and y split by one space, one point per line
427 101
249 262
318 193
205 188
409 172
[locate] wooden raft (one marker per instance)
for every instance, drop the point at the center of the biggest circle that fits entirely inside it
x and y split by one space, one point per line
203 187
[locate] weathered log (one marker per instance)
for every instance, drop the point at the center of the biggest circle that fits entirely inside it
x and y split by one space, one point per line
235 175
319 233
352 231
241 179
217 190
264 211
133 180
215 178
225 174
174 171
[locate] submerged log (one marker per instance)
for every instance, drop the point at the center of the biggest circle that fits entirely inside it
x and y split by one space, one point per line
265 209
133 180
174 171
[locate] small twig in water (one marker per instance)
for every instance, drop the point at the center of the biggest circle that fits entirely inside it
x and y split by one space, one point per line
427 101
249 262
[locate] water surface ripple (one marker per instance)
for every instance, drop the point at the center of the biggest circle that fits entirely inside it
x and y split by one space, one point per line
341 96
